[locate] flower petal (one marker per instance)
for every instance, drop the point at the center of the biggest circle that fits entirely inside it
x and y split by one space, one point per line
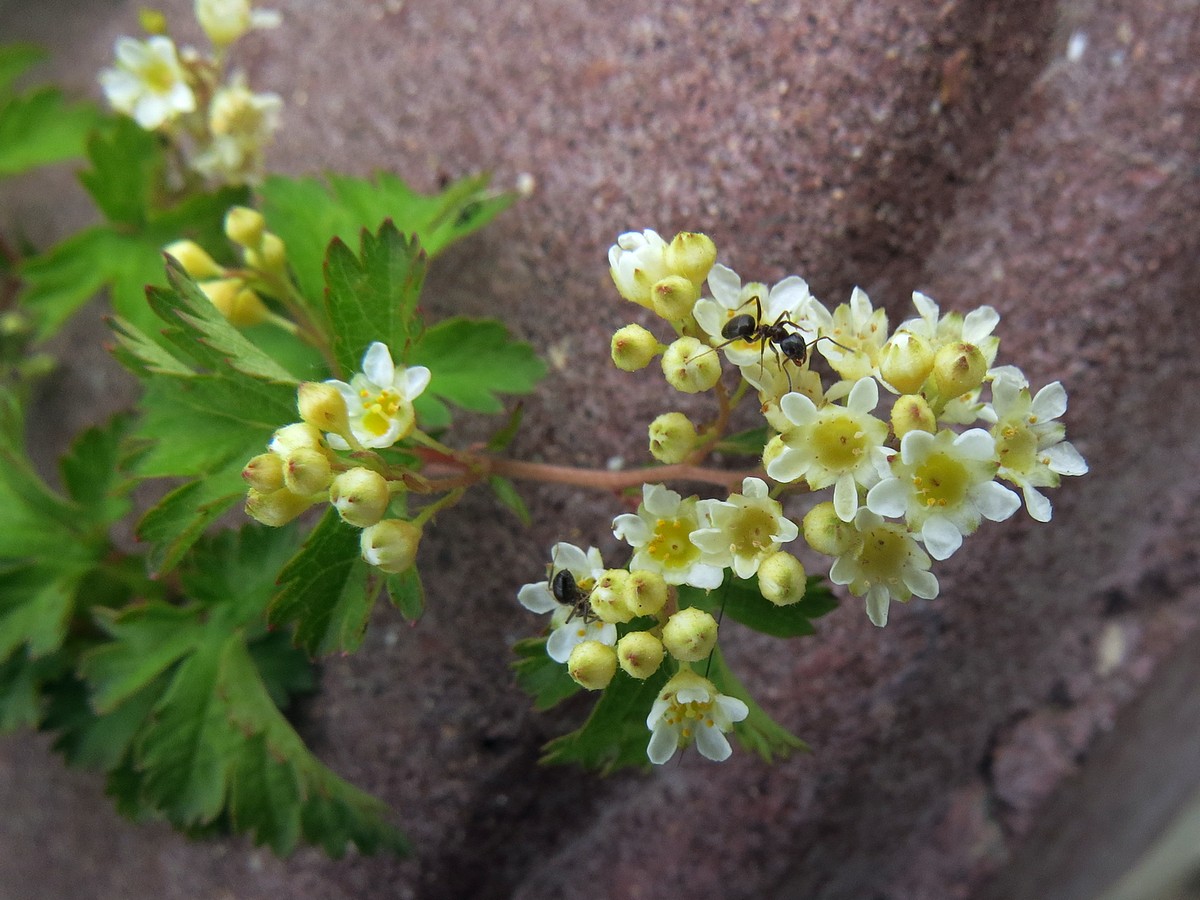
888 498
864 396
878 599
415 379
664 741
631 529
712 743
377 365
659 501
537 597
941 537
921 582
725 285
798 408
1066 460
845 497
1037 504
704 576
994 501
975 443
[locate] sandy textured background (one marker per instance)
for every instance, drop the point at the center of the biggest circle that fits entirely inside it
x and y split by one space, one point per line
954 148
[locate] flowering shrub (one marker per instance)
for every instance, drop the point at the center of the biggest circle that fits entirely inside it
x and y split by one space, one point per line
288 373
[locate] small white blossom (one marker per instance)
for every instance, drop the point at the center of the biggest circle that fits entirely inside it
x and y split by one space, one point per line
974 328
690 708
149 82
241 124
567 628
788 299
637 261
886 563
224 21
942 485
857 333
659 534
1029 441
379 400
838 445
743 530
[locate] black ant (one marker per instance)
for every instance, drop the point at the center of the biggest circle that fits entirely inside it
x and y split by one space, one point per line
753 330
568 593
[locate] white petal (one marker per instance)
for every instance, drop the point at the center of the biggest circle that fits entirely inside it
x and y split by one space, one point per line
975 443
979 323
878 599
864 396
921 582
845 498
789 465
915 445
712 743
786 531
745 566
150 111
732 708
377 365
754 487
705 576
710 316
888 498
788 296
568 556
860 305
844 570
1050 402
660 502
1065 460
799 409
664 741
631 529
693 692
994 501
265 18
414 381
712 541
563 640
1037 504
925 306
725 285
941 537
537 597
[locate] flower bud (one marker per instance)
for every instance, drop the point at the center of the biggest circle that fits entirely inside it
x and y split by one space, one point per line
645 592
153 22
236 302
592 665
633 347
691 255
906 361
306 471
958 368
270 257
673 297
264 472
690 634
781 579
672 437
826 533
297 435
360 496
245 226
275 508
224 21
640 654
323 406
690 366
390 545
194 259
608 597
912 413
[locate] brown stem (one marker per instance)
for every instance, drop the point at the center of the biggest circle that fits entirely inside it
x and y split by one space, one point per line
607 479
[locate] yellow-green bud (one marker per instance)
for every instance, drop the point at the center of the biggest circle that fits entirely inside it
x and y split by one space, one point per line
264 472
690 366
297 435
608 597
245 226
390 545
323 406
690 634
645 592
912 413
275 508
640 654
224 22
270 257
194 259
906 361
672 437
152 21
360 496
958 368
781 578
633 347
306 471
674 297
236 302
592 665
691 255
826 533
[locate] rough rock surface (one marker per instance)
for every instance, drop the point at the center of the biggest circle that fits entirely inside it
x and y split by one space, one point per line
1038 156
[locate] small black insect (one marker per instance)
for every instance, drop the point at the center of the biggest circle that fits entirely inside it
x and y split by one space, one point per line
785 343
567 592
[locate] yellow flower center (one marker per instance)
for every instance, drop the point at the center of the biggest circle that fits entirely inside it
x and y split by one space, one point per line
380 410
670 544
159 76
689 714
884 552
941 480
753 531
838 441
1017 448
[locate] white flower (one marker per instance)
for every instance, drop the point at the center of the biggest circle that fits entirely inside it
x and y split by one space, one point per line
885 563
942 485
568 628
1029 442
974 328
379 400
224 21
788 300
659 534
148 83
690 708
637 262
743 530
837 445
241 124
857 334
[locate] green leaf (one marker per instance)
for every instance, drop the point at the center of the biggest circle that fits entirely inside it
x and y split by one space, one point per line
407 593
40 128
91 469
36 603
372 296
540 676
306 213
758 732
506 493
744 443
615 734
22 688
98 741
473 360
181 517
127 162
324 591
15 60
741 600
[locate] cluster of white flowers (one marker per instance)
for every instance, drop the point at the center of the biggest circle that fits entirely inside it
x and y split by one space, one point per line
219 125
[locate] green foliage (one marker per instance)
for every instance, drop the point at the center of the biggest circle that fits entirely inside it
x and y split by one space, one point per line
38 127
541 677
744 443
307 212
740 600
758 731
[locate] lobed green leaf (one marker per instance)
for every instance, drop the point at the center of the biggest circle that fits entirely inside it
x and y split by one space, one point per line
741 600
545 680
